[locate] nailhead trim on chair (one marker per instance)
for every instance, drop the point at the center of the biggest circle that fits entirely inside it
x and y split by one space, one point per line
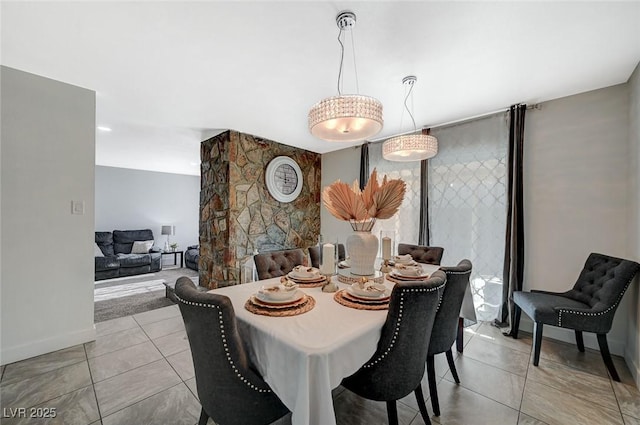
397 329
600 313
224 344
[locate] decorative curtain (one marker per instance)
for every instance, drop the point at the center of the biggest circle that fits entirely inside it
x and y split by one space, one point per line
514 235
467 203
405 222
423 230
364 165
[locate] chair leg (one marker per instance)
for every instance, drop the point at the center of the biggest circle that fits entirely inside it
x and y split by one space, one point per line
392 412
579 341
203 417
517 312
606 356
537 342
421 405
433 389
460 336
452 366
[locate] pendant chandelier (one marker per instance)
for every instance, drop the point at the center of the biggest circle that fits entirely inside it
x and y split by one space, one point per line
410 147
346 117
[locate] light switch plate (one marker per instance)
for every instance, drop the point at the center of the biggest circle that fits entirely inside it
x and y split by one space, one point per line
77 207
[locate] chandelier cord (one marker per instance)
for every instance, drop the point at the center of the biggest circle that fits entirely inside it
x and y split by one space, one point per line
355 68
407 108
341 61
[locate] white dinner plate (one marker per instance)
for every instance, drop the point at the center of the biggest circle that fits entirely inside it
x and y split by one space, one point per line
297 278
374 296
296 296
403 273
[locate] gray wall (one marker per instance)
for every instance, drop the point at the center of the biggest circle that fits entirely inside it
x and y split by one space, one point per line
632 353
46 254
134 199
576 186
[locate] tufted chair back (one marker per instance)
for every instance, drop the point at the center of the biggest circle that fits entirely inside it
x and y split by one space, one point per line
229 389
602 283
446 324
422 254
314 254
278 263
397 366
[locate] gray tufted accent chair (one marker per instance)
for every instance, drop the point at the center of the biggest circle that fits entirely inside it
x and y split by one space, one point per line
229 388
314 254
588 307
397 366
445 327
278 263
422 254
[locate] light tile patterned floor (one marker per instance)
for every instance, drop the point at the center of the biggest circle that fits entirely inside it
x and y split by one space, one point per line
139 371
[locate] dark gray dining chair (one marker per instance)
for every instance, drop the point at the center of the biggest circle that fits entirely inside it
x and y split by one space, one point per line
229 388
588 307
397 367
422 254
314 254
278 263
445 327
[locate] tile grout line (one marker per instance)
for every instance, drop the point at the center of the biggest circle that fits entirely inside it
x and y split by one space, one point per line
93 385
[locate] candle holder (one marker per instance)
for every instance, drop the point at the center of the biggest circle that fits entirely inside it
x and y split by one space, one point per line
385 267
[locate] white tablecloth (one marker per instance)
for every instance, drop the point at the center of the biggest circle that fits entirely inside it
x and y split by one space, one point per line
304 357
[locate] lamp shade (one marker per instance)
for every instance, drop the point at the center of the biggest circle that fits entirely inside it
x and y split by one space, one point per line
168 230
410 147
346 118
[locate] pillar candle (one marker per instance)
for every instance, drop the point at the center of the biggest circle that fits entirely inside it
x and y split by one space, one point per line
328 265
386 248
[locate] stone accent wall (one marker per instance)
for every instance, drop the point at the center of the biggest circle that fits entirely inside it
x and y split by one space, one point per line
238 215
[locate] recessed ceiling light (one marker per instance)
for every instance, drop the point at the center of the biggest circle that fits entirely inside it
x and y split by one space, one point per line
102 128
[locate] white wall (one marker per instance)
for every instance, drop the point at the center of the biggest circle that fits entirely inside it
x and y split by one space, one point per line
344 165
134 199
632 353
576 174
48 155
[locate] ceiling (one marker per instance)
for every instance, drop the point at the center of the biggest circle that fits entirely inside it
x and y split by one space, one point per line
167 75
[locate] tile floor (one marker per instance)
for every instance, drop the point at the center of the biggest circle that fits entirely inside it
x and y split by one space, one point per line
139 371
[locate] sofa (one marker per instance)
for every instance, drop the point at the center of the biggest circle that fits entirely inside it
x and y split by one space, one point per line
117 260
192 256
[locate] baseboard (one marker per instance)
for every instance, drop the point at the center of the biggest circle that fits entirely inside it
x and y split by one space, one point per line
43 346
634 367
616 347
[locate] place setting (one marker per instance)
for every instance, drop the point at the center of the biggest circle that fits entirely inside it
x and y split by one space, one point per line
305 277
280 300
364 295
407 273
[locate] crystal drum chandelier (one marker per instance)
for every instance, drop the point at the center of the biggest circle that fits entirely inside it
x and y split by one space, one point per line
346 117
410 147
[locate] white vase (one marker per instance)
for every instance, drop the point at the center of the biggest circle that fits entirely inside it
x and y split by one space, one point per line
362 247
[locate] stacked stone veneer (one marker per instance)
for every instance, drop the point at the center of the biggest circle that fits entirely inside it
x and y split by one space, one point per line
238 215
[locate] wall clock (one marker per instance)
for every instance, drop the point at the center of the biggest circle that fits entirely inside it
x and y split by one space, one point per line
284 178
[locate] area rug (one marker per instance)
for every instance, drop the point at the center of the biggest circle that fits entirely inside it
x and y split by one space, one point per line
126 296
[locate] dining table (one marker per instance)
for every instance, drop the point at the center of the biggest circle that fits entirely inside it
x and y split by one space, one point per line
304 357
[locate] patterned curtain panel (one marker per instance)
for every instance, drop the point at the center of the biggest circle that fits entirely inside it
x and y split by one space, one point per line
405 224
467 203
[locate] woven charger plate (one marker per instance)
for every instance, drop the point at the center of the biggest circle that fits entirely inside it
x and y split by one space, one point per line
281 312
303 284
342 299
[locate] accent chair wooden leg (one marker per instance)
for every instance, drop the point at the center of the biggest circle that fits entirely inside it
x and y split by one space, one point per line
517 312
433 389
421 405
460 336
537 341
606 356
452 366
392 412
203 417
580 341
